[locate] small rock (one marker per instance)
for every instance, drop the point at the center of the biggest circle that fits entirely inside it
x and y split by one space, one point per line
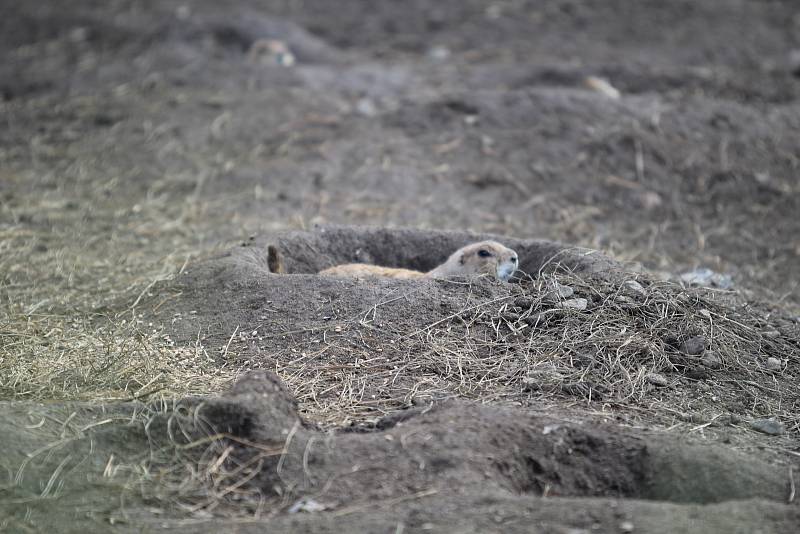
711 360
556 290
771 334
366 107
793 61
768 426
697 373
602 86
79 34
439 53
307 505
694 345
650 200
524 302
626 526
579 304
634 287
707 278
657 380
183 12
774 364
625 302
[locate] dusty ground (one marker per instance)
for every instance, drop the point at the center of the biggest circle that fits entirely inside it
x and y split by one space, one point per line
147 157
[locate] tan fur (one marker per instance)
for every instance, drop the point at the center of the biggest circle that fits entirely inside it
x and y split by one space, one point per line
484 258
501 262
468 261
363 269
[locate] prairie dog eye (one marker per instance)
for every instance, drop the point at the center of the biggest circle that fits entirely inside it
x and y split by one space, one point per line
484 253
513 259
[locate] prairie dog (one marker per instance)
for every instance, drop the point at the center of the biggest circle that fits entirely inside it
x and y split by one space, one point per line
486 257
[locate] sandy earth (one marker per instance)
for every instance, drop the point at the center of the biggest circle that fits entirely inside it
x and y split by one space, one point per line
149 154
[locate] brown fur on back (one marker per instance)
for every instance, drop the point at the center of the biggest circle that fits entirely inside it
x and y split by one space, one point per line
484 258
363 269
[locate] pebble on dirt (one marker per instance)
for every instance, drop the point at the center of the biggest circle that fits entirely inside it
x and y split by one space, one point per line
657 380
768 426
694 345
711 360
707 278
774 364
556 290
579 304
635 288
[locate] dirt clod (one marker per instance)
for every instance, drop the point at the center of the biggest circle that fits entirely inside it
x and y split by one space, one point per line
774 364
694 345
768 426
711 360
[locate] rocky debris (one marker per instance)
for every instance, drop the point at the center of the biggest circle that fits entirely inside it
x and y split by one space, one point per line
524 303
579 304
771 334
707 278
602 86
774 364
793 62
711 360
556 291
657 379
634 288
768 426
694 345
307 505
439 53
366 107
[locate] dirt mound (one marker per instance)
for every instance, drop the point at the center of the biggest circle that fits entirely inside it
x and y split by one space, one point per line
249 453
237 289
140 139
466 447
574 323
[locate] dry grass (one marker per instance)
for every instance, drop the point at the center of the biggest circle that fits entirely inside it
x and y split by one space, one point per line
527 348
53 357
523 347
74 257
191 469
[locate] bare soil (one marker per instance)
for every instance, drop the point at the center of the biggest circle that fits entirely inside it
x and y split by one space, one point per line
155 376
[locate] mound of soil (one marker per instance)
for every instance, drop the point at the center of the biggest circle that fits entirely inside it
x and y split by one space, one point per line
237 291
478 466
573 321
139 137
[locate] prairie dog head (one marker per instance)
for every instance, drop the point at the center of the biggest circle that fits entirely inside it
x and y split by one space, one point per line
485 257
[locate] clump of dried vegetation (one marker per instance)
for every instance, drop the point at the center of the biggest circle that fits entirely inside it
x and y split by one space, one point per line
558 339
54 357
633 346
616 340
